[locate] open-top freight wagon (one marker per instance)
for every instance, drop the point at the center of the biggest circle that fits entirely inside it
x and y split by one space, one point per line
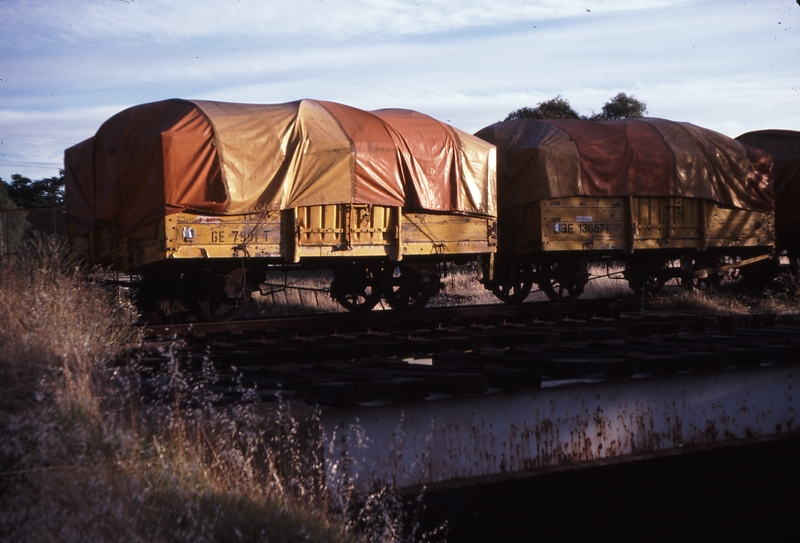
198 200
784 147
668 200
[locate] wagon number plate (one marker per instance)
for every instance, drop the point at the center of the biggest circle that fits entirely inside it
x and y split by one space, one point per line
228 235
581 227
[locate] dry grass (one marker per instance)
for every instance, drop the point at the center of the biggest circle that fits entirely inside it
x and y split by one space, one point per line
735 302
733 296
55 324
84 458
462 287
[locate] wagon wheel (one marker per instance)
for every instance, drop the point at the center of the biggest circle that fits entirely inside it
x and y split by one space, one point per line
214 298
565 283
356 289
559 290
512 282
408 289
513 291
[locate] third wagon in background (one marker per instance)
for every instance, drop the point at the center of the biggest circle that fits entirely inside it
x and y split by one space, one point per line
784 147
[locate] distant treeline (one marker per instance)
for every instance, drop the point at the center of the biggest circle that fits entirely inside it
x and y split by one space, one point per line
23 192
620 106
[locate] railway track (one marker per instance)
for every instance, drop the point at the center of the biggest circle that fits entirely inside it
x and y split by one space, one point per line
576 309
341 359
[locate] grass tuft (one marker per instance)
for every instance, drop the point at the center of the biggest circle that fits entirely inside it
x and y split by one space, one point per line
85 455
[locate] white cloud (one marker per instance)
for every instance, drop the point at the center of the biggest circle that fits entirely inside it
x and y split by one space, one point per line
169 20
32 142
69 65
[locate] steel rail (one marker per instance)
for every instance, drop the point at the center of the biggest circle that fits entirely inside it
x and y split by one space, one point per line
570 309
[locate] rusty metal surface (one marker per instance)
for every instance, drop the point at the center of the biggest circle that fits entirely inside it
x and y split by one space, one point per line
741 493
445 398
467 440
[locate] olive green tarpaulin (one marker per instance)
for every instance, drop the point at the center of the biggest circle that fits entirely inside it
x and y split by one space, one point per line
225 158
541 159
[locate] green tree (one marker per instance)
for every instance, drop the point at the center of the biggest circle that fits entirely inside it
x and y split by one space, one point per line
621 106
13 223
555 108
45 192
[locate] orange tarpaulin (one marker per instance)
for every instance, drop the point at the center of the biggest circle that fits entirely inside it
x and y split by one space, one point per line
541 159
225 158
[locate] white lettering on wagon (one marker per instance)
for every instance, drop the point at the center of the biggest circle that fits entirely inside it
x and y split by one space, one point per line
582 228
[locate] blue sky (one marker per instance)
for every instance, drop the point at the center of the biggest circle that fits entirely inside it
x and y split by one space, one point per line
68 65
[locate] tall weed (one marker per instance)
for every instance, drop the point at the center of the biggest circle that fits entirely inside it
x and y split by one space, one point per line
57 324
84 456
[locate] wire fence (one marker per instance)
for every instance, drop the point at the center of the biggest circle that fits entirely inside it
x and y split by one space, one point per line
18 226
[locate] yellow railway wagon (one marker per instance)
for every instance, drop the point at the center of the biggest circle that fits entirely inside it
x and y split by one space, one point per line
630 224
198 200
668 200
552 242
310 234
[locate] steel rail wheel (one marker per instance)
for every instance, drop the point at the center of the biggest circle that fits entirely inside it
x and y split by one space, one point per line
512 291
356 288
562 283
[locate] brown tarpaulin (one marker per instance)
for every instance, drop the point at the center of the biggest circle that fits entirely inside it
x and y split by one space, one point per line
784 146
217 157
540 159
